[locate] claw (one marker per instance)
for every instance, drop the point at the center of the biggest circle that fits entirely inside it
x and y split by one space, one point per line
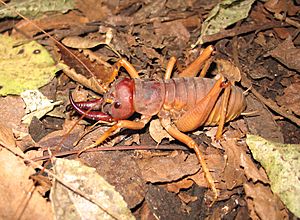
93 104
94 115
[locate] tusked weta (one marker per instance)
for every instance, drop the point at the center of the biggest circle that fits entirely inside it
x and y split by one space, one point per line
182 104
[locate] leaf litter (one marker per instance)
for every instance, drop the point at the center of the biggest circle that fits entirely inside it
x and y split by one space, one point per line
148 33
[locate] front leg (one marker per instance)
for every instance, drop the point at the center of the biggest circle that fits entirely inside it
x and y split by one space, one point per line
178 135
134 125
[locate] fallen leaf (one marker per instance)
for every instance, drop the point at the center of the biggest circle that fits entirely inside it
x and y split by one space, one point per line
157 132
11 112
20 199
262 204
228 70
263 119
287 54
106 202
23 66
7 138
168 169
186 198
282 164
120 170
81 43
233 173
279 6
58 21
291 98
95 10
181 184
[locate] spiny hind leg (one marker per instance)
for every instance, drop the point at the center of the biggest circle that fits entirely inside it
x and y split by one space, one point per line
178 135
193 69
224 108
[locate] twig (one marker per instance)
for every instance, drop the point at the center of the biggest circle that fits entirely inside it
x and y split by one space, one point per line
140 147
287 20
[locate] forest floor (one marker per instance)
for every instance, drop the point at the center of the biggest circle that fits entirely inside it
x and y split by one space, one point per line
159 179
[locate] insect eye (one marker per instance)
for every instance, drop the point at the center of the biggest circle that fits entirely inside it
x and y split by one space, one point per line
117 104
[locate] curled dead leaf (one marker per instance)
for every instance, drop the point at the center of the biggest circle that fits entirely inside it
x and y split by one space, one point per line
168 169
157 132
262 203
291 98
81 42
228 70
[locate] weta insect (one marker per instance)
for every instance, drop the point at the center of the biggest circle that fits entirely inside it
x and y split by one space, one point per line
182 104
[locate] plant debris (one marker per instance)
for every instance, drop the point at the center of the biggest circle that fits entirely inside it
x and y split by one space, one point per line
256 48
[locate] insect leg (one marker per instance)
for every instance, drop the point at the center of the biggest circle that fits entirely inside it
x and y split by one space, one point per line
224 106
206 67
134 125
193 69
170 67
197 116
174 132
129 68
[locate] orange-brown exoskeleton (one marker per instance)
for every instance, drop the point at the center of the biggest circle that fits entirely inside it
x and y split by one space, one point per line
182 104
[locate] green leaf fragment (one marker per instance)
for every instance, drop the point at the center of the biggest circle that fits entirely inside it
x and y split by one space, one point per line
282 164
223 15
35 8
24 66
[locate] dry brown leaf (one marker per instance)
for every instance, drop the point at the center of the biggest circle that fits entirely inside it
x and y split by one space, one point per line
174 29
70 19
7 138
216 163
167 169
287 54
90 83
283 33
251 171
291 98
199 179
278 6
228 70
238 158
95 10
157 132
181 184
99 199
81 42
233 174
120 170
54 139
262 203
186 198
11 112
16 189
263 119
260 72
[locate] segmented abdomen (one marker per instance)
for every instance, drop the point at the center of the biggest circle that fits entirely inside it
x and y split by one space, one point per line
178 95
